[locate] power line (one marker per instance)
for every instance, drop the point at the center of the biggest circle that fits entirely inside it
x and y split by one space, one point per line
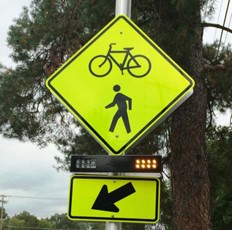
223 26
219 15
34 197
228 27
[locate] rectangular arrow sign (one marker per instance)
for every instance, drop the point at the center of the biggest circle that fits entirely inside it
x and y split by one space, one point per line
114 199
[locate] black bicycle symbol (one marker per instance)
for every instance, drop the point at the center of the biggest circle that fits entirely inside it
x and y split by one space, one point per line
137 65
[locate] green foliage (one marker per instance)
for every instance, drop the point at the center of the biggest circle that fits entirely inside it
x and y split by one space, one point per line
44 32
27 218
218 71
53 30
25 221
4 214
208 8
22 221
220 161
81 144
14 222
166 19
62 222
13 121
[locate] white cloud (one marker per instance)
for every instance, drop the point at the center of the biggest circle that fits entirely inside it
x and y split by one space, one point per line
27 174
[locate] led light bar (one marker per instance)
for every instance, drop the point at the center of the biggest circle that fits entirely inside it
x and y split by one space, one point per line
108 163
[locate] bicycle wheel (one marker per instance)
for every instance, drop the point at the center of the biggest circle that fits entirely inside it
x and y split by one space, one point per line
139 66
100 66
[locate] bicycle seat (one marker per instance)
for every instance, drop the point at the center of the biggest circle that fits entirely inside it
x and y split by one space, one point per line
128 48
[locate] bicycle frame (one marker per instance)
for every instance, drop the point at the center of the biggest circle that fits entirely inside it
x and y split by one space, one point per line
122 66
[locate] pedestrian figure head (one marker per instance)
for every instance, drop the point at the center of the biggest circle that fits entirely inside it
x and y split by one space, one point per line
117 88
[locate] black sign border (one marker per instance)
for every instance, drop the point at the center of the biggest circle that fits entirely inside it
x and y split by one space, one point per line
114 219
85 122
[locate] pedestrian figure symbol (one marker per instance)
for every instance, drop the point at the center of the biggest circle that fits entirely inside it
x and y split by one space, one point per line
124 103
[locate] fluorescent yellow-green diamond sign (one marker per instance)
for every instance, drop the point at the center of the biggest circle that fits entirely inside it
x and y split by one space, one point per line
120 85
114 199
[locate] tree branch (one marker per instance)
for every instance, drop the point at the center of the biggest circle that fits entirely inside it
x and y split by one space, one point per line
206 24
215 67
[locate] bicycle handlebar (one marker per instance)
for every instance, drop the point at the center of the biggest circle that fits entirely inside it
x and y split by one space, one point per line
112 44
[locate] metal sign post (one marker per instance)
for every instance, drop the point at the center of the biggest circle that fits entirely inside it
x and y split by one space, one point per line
113 226
121 7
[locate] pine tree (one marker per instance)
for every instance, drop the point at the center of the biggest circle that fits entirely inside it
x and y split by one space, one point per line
47 33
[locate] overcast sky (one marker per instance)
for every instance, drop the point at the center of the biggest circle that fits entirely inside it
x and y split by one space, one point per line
26 172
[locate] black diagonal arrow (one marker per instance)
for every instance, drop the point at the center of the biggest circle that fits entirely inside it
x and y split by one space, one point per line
105 201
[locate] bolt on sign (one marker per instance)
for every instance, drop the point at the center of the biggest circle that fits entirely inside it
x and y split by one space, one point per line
114 199
120 85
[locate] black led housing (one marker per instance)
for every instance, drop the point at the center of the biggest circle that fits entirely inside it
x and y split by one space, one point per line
108 163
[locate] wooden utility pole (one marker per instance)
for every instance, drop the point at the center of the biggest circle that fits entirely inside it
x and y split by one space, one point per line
3 202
